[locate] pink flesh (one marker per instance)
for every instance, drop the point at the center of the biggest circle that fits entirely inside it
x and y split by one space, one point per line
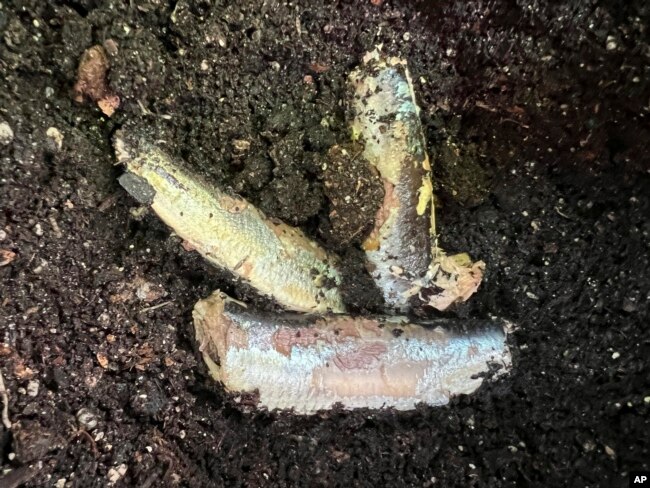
312 363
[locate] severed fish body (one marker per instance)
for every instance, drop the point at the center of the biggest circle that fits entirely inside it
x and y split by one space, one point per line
275 258
402 254
308 363
387 120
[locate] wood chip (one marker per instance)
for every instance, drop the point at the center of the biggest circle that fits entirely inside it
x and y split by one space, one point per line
102 359
6 257
319 67
92 81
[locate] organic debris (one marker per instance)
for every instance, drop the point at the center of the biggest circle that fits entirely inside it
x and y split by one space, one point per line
6 257
5 403
92 81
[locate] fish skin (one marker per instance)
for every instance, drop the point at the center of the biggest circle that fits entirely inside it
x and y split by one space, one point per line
412 272
387 119
275 258
308 363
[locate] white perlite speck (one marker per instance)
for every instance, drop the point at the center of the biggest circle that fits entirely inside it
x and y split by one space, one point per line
6 133
611 44
56 136
32 388
115 474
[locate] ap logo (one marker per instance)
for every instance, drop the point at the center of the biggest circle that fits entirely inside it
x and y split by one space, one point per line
639 479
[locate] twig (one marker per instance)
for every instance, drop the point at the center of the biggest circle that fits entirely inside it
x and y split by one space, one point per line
160 305
557 209
86 436
108 202
5 403
525 126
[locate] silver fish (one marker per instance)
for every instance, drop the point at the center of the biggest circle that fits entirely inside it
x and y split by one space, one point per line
309 363
402 252
275 258
387 120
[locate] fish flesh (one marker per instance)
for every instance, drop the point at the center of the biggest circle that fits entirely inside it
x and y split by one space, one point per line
278 260
309 363
402 252
386 119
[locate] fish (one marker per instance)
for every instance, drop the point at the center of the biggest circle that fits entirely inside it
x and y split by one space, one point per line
402 253
314 356
307 363
386 120
278 260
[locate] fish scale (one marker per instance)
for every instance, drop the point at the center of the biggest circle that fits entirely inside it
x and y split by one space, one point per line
309 363
276 259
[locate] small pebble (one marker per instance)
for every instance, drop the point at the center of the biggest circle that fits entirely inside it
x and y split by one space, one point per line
32 388
111 47
3 235
38 230
616 355
6 133
86 419
589 446
38 269
241 145
55 136
114 474
628 304
611 43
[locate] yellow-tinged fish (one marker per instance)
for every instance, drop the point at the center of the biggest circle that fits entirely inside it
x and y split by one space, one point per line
276 259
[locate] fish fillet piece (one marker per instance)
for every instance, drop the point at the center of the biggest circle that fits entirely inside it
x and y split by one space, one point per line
402 254
309 363
275 258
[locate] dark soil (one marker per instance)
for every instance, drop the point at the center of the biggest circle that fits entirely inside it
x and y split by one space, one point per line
536 114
